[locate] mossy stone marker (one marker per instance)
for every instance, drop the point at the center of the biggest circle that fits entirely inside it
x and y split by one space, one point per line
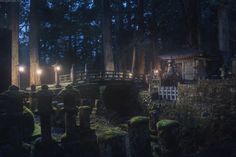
84 117
138 129
112 143
168 135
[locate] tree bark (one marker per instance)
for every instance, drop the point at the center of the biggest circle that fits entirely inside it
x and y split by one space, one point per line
154 38
140 59
34 43
192 14
119 44
223 28
107 39
14 27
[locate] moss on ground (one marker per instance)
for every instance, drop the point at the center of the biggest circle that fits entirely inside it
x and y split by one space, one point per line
105 132
163 124
85 107
110 134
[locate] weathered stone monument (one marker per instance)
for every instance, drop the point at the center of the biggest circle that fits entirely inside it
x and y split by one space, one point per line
82 140
46 146
45 110
15 113
138 130
113 144
168 137
153 119
32 98
70 98
11 110
87 137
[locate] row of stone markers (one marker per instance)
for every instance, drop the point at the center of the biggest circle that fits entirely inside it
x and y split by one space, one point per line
11 123
82 141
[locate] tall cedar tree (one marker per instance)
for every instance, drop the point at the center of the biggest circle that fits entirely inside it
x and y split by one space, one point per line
107 38
34 42
139 35
14 26
223 29
192 14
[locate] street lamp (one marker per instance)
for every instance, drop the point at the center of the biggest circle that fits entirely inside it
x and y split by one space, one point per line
57 69
156 72
39 72
130 75
21 69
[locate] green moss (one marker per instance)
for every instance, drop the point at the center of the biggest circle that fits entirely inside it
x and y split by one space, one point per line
37 130
27 122
27 111
123 127
105 132
85 107
137 120
163 124
110 134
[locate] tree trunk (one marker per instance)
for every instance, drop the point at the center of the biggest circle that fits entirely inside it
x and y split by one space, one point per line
107 39
192 14
154 38
224 34
140 59
118 45
34 43
14 26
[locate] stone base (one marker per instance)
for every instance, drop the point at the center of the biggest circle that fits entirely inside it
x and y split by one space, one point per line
113 144
50 149
12 151
84 144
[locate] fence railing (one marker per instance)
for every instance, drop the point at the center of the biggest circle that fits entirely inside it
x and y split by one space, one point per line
64 78
102 76
168 93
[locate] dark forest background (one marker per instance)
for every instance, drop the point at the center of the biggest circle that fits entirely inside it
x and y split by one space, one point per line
71 31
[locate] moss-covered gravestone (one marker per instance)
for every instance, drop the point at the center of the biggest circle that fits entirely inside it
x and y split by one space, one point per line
8 150
47 149
138 129
153 119
84 141
87 137
27 123
168 135
84 117
112 143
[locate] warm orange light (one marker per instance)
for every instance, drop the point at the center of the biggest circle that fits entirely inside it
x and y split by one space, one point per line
130 75
156 72
39 72
57 68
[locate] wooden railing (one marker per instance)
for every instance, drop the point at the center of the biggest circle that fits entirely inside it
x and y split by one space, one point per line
102 76
65 78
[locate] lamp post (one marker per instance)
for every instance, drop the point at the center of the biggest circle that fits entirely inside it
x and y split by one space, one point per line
156 74
21 69
57 69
